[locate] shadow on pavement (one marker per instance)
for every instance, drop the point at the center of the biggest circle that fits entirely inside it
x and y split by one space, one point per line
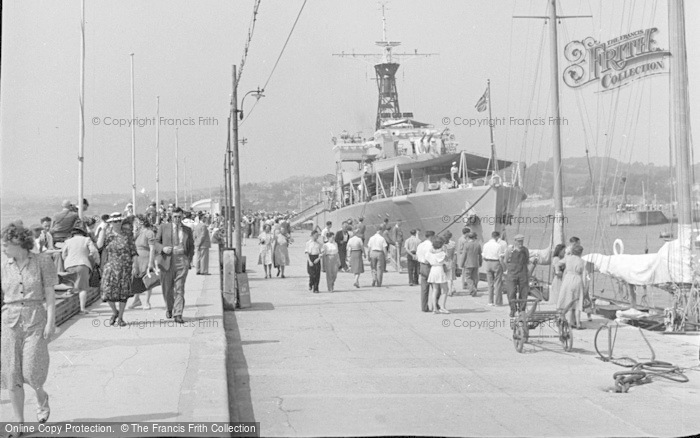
458 311
258 306
130 418
274 341
240 403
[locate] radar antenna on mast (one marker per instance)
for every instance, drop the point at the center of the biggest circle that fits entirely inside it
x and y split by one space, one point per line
385 68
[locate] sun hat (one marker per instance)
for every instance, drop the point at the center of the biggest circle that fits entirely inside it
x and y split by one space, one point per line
115 217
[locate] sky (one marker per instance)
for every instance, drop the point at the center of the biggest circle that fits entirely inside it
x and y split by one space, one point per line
184 52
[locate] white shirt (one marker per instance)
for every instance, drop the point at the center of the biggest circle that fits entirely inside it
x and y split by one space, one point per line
313 247
330 248
492 250
354 244
377 243
324 232
423 249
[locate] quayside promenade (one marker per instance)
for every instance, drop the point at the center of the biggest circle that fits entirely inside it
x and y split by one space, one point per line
369 362
356 362
152 370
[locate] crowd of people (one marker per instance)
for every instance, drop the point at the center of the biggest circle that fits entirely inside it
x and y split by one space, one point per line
124 254
434 261
127 254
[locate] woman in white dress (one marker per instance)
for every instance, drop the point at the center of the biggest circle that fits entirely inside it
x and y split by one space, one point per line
558 267
450 265
267 241
437 278
574 286
282 241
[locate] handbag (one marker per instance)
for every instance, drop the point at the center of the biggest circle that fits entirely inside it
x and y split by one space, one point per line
137 285
587 303
151 280
95 277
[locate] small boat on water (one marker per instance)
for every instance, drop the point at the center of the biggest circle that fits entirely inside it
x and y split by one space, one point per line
637 215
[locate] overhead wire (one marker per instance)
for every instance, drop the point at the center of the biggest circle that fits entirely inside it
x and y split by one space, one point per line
279 57
251 30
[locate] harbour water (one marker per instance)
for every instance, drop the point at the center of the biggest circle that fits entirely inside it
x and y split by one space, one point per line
597 236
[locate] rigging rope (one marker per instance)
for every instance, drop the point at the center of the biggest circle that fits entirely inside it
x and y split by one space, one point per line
274 67
251 29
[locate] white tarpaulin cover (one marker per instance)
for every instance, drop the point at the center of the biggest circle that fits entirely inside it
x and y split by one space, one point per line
670 265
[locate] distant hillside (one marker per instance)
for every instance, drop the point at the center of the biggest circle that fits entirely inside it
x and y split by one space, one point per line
292 194
610 177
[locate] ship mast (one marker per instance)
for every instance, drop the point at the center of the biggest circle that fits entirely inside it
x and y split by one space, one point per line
385 69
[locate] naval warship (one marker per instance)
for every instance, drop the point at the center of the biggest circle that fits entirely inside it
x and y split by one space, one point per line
414 172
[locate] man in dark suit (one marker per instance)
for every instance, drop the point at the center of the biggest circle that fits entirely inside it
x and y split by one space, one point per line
341 239
472 262
202 243
178 248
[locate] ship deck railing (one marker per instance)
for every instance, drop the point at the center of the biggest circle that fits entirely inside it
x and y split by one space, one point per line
433 182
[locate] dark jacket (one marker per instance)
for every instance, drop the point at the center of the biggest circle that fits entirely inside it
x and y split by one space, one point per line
472 254
63 224
201 236
164 237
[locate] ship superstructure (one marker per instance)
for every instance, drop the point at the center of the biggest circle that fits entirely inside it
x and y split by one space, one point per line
412 171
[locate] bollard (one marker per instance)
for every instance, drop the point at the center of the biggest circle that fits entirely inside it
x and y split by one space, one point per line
243 290
229 273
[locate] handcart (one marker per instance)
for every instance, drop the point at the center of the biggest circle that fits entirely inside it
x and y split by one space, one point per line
531 318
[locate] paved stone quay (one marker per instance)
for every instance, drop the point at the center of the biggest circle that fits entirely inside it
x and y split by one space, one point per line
368 362
152 370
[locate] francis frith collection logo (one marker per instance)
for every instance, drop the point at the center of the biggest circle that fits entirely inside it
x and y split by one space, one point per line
616 62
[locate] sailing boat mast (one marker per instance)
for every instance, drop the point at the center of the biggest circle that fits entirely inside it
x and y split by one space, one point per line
558 232
133 138
680 123
81 139
177 170
157 151
558 227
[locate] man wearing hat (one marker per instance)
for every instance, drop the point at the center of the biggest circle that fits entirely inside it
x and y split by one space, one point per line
472 263
341 239
177 252
517 275
453 174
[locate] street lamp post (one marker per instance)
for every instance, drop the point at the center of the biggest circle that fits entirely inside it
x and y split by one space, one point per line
236 113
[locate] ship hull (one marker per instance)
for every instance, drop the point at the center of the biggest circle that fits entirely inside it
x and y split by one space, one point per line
440 210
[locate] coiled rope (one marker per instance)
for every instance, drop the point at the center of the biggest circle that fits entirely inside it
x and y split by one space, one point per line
640 372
